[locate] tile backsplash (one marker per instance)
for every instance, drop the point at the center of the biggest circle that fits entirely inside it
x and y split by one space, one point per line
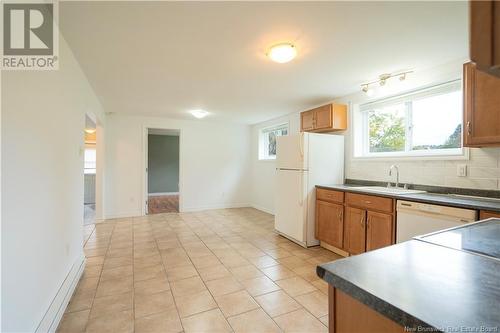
483 170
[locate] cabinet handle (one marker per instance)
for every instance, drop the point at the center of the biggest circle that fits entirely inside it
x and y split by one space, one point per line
362 221
368 202
368 223
469 128
340 215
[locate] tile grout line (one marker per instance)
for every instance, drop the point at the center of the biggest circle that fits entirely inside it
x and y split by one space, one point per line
100 274
166 276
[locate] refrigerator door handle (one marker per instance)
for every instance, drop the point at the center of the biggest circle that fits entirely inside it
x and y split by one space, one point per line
301 196
301 145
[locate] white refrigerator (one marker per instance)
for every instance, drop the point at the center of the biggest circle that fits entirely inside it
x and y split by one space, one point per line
303 161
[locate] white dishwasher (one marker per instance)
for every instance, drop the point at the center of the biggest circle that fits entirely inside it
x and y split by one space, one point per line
414 219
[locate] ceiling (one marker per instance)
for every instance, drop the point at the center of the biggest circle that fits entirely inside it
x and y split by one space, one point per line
165 58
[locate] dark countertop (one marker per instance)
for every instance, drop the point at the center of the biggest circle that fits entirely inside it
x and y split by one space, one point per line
418 283
431 198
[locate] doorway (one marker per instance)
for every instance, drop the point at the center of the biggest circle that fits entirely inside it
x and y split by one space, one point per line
162 171
89 171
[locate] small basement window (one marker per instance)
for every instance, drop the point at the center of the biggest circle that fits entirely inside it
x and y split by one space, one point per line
89 161
267 140
427 122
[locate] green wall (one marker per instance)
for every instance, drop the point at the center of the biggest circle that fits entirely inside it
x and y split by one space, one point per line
163 163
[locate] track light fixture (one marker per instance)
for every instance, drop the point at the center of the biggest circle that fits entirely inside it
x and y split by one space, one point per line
382 80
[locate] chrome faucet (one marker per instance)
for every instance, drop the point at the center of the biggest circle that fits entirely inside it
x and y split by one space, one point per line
394 166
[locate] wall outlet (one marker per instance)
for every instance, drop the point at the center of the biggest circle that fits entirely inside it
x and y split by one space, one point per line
462 170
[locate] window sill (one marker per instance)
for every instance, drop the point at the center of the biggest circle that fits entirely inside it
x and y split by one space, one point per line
422 157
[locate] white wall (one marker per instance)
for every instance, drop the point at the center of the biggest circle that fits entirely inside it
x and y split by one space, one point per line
42 186
483 164
214 163
264 171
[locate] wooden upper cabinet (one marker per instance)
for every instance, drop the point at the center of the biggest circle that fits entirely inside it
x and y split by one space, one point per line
379 230
323 117
485 35
355 232
307 121
326 118
330 223
481 108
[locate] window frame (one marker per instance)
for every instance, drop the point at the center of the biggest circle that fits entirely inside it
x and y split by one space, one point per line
262 155
361 149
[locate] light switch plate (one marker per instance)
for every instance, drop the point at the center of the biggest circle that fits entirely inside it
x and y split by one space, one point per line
462 170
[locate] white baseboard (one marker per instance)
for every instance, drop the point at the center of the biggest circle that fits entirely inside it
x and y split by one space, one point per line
134 213
215 206
54 313
265 210
184 209
157 194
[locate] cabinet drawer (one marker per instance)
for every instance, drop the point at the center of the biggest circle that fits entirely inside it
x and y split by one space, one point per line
328 195
370 202
484 214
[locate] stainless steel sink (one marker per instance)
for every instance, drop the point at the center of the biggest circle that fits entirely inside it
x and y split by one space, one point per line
387 190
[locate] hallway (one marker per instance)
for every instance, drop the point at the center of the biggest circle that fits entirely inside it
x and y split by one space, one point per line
163 204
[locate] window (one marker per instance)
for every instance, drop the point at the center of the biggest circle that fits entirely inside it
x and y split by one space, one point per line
267 141
427 122
89 161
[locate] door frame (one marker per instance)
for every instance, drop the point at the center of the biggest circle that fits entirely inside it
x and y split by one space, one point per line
100 166
145 190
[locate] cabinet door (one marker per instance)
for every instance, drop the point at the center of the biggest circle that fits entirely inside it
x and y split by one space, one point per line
323 117
485 35
307 121
355 230
339 116
481 108
379 230
330 223
496 38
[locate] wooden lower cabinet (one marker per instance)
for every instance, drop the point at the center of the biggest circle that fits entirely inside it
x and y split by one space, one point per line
330 223
348 315
354 223
355 232
484 214
379 230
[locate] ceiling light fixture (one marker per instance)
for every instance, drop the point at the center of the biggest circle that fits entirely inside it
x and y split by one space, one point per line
199 113
90 130
382 80
282 53
367 90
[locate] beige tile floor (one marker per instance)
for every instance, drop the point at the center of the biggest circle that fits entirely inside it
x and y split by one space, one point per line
211 271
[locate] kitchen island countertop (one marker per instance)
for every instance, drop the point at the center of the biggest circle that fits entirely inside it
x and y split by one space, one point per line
421 284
